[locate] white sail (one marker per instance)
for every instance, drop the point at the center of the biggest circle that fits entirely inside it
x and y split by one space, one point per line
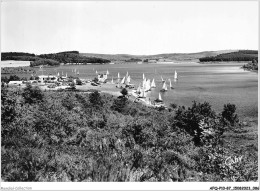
61 73
160 97
78 72
143 76
126 74
58 74
107 72
170 83
123 80
66 75
162 79
112 81
153 84
175 75
138 90
164 87
143 94
128 79
148 85
144 83
118 78
96 72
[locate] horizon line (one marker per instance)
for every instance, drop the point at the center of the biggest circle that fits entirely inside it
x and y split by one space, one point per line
130 54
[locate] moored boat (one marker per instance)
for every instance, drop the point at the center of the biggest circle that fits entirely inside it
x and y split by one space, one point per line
164 88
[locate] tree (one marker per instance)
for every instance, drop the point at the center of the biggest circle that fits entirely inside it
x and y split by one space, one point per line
78 82
229 115
95 80
14 78
95 99
120 104
124 92
32 94
190 119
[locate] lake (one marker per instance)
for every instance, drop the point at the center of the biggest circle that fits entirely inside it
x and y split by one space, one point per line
218 84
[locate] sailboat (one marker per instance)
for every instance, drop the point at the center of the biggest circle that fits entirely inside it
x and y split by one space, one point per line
175 75
159 99
107 72
66 75
128 79
164 88
142 94
61 73
153 84
138 91
112 81
123 80
171 84
148 85
144 83
58 74
118 78
96 72
162 79
78 73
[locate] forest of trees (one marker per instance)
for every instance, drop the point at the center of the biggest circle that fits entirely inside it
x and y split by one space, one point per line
134 60
241 55
251 66
52 59
74 136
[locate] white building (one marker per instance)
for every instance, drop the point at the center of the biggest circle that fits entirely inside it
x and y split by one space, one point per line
102 77
15 83
50 78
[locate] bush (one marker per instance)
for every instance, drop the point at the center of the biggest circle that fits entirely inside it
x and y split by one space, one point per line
190 119
124 92
32 94
95 99
228 114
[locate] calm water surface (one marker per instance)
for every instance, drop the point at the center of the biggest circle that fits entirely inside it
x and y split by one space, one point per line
217 84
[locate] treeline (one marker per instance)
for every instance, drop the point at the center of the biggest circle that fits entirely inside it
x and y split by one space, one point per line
241 55
73 136
52 59
251 66
73 57
18 56
5 79
134 60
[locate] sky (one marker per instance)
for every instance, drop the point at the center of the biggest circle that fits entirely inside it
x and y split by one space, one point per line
128 27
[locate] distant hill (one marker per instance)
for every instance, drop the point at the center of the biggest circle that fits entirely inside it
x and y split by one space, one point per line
52 59
170 56
241 55
77 57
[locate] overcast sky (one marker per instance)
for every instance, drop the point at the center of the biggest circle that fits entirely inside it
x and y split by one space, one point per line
132 27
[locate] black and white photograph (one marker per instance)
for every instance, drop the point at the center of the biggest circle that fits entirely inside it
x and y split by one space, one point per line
104 92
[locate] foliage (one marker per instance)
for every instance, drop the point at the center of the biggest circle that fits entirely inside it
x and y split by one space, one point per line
52 59
189 119
95 99
229 114
78 82
251 66
241 55
74 136
124 92
32 94
49 62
